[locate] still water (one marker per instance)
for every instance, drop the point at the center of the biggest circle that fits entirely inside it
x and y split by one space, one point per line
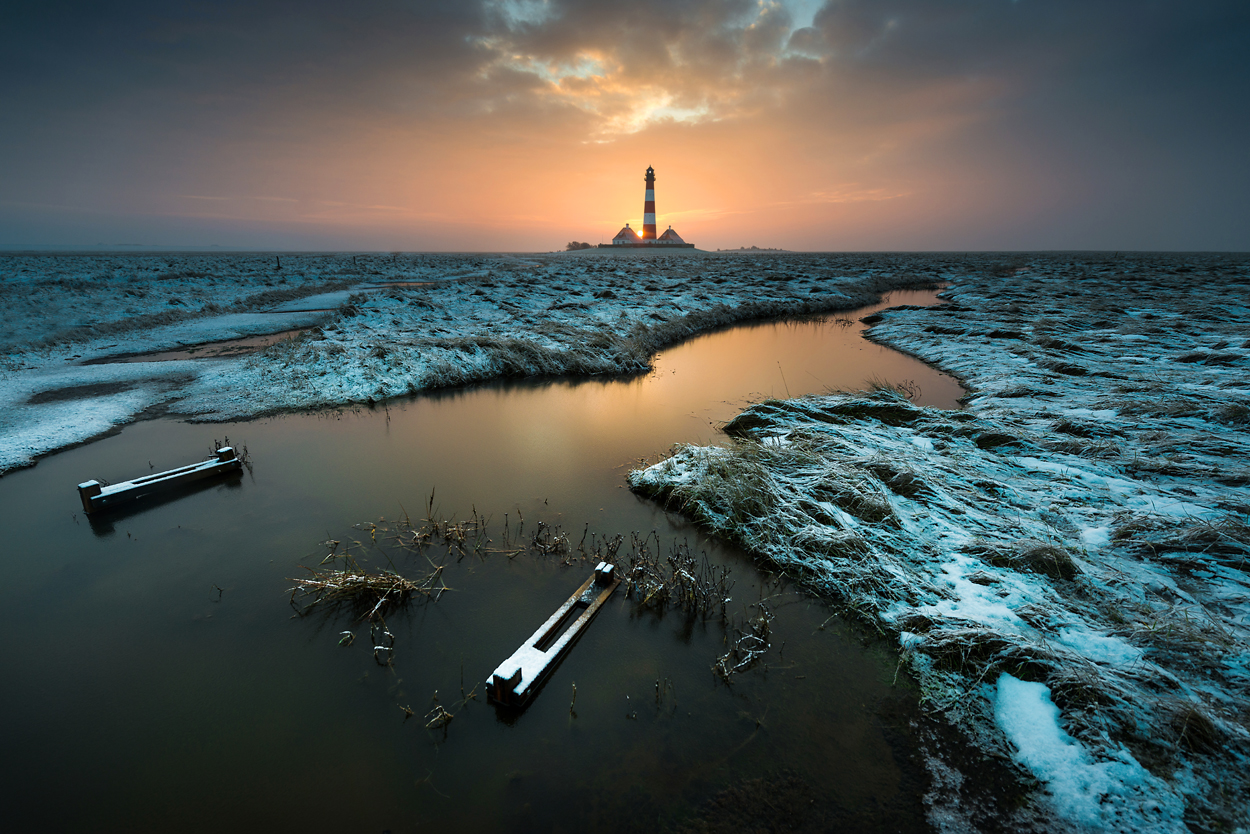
155 679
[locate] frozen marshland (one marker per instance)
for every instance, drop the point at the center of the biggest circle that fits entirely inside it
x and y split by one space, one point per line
1062 564
364 328
1066 564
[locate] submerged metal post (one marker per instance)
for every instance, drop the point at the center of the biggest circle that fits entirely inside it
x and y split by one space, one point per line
95 496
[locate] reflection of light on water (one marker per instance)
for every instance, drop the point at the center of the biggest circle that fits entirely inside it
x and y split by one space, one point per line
709 379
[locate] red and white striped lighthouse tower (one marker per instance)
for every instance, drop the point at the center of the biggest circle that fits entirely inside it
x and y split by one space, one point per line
648 208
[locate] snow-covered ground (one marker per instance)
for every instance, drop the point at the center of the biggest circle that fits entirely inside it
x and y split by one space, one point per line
452 320
1065 564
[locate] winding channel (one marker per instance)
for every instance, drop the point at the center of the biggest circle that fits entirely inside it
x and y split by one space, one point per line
155 678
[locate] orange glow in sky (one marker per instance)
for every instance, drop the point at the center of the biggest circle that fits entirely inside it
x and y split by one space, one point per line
525 124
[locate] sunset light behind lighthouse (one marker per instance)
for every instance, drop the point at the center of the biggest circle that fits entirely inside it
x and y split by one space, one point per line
648 238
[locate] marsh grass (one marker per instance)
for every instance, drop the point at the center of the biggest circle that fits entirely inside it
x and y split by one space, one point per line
1182 628
1030 555
1195 731
370 594
748 645
1226 538
116 322
795 487
680 580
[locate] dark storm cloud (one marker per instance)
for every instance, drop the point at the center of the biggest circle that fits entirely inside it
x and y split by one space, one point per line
1147 48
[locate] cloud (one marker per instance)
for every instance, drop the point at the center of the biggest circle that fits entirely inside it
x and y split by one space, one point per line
1055 115
629 66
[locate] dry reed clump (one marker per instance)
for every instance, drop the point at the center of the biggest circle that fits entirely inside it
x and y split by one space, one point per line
747 647
826 544
1210 358
1097 449
681 580
976 651
1001 333
989 437
1175 466
1232 478
1082 428
1030 555
374 594
1061 367
1021 390
734 488
288 351
1182 628
855 494
1228 536
885 404
1052 343
1233 414
901 481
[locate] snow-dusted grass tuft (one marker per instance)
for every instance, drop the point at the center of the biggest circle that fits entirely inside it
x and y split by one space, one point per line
1066 564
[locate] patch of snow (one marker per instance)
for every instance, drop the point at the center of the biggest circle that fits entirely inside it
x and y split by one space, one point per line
1100 647
31 430
1110 795
1096 537
971 601
924 444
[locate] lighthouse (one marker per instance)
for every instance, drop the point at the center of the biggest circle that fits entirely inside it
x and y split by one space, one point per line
648 207
628 238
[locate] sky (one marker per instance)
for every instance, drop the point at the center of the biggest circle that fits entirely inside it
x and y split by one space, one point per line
521 125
